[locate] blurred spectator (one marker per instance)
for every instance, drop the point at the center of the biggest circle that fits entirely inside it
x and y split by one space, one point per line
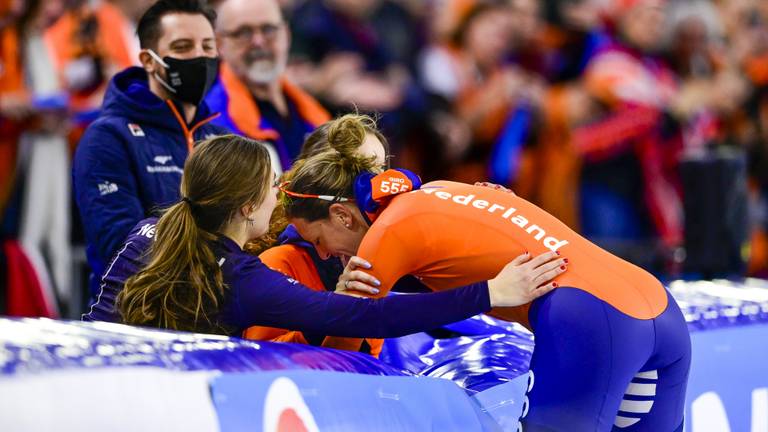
746 25
549 169
527 28
629 192
13 97
574 33
33 117
357 54
91 42
129 161
254 96
477 91
694 34
341 53
709 79
708 106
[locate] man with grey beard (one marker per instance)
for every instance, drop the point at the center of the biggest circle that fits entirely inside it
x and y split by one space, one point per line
252 93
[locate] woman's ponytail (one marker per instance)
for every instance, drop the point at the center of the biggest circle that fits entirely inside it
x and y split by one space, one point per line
182 286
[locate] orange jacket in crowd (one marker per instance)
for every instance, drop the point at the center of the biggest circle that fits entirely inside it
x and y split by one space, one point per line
112 41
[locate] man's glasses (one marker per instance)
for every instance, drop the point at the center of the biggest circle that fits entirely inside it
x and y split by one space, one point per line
245 33
330 198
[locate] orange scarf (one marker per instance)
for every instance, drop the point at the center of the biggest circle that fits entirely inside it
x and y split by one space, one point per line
245 114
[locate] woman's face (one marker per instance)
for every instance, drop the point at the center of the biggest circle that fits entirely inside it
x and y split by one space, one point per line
641 23
488 37
263 212
336 235
331 236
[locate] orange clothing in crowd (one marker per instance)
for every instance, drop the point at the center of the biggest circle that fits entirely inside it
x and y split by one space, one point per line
295 262
241 114
11 85
245 113
112 41
554 153
451 234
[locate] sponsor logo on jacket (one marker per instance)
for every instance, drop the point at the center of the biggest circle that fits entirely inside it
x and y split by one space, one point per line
147 230
162 160
155 169
136 130
106 188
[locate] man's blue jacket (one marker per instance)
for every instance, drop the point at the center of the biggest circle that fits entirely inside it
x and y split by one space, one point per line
129 162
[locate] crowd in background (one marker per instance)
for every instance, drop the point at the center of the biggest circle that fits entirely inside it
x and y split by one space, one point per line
641 123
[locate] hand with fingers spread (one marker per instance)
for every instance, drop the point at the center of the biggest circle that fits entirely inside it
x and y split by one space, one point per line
525 279
355 280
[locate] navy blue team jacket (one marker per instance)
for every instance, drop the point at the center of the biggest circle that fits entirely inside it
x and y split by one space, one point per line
129 162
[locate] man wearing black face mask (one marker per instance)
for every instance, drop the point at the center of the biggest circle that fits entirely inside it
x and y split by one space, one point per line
129 161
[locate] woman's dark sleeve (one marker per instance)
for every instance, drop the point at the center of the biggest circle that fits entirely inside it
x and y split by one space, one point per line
410 284
264 297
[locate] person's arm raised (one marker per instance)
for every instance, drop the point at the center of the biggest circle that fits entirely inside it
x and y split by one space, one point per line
521 281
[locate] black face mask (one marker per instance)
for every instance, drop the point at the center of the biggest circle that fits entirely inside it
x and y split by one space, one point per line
190 79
